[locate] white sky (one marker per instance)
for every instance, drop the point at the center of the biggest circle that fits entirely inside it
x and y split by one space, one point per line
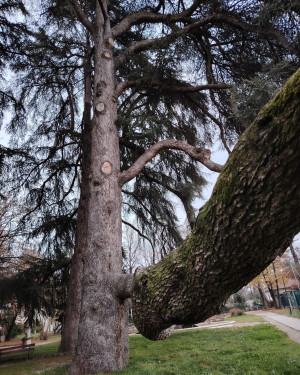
3 138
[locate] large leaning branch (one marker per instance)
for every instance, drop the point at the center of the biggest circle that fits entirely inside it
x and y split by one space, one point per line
200 154
252 216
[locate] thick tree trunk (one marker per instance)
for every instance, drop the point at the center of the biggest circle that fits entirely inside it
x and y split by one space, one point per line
253 214
102 344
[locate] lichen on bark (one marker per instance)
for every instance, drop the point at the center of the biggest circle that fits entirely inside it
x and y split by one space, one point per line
250 219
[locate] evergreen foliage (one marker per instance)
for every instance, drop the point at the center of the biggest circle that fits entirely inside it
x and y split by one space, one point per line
50 57
35 285
251 94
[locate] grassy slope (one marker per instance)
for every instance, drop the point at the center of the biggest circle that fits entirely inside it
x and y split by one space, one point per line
259 350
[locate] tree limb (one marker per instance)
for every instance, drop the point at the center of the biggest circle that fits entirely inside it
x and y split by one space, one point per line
200 154
103 7
81 15
239 23
140 17
214 86
197 23
139 46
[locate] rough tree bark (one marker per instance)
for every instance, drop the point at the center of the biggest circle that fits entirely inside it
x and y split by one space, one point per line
250 219
102 343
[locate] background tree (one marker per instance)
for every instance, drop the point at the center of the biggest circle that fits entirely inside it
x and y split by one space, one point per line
130 65
131 247
239 300
257 283
33 285
272 278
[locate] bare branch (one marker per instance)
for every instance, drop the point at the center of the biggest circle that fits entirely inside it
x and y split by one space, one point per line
81 15
72 110
200 154
140 17
213 86
219 124
141 45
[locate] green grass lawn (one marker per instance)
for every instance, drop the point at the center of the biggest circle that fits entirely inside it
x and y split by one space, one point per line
246 319
259 350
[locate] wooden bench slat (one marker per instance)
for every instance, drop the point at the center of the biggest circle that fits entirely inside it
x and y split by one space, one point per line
16 347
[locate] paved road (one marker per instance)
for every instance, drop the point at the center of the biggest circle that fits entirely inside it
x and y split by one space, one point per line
291 326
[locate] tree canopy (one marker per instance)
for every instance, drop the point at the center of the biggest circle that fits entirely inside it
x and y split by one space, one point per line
51 53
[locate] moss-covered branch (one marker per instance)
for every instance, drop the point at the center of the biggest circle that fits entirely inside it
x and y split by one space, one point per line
253 214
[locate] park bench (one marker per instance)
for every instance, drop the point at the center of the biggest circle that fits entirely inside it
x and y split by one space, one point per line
16 349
